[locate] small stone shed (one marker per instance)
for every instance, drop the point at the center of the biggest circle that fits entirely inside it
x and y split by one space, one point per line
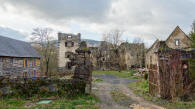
173 76
18 59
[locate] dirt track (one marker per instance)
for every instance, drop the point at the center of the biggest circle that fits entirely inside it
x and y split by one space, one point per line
110 82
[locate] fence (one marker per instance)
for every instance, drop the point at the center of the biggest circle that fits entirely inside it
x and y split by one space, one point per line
170 78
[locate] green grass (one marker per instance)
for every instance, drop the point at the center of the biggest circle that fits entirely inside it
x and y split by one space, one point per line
79 102
118 95
120 98
12 104
98 80
122 74
141 88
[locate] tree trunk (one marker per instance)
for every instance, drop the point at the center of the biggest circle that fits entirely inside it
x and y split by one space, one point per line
47 68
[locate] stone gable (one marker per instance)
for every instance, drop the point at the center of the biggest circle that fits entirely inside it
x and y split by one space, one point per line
178 39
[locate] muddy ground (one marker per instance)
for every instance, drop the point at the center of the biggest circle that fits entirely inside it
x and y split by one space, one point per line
103 88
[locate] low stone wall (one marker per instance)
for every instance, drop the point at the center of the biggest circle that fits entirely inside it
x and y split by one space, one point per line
28 87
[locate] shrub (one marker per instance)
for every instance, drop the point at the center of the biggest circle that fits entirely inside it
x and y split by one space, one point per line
146 76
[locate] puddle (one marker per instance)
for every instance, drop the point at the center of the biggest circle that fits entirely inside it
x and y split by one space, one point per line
44 102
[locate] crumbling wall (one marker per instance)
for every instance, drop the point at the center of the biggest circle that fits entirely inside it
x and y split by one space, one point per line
126 56
170 78
67 43
83 65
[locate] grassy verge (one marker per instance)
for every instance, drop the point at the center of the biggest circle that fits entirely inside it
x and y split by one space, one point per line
79 102
122 74
141 88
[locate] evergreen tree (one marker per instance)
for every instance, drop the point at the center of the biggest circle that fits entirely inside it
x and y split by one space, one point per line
192 35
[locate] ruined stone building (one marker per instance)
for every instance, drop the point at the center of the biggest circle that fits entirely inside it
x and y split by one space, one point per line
176 40
126 56
133 55
170 67
67 44
103 57
18 59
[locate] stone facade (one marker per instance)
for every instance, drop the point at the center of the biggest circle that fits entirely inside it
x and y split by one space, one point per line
67 44
126 56
19 67
151 57
132 55
104 57
177 40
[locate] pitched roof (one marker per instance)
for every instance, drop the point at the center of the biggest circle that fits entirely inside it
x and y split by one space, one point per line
15 48
152 45
176 30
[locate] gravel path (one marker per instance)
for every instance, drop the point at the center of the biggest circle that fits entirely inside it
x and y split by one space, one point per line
111 82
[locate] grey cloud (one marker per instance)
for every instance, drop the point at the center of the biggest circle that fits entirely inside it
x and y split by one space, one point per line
142 18
61 10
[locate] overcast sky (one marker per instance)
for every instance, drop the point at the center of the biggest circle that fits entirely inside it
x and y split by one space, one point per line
147 19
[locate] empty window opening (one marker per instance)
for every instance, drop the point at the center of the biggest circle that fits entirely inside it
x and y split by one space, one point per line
69 66
66 44
72 44
150 59
177 42
69 44
69 37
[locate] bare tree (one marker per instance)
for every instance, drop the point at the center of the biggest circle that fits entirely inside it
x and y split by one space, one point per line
43 36
113 37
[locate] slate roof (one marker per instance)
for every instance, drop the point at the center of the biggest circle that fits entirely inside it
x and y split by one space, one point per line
15 48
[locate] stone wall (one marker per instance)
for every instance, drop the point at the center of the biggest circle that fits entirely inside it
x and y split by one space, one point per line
126 56
178 34
83 65
151 57
29 87
67 43
133 54
19 67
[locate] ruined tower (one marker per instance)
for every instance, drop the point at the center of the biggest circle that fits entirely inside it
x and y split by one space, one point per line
67 44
